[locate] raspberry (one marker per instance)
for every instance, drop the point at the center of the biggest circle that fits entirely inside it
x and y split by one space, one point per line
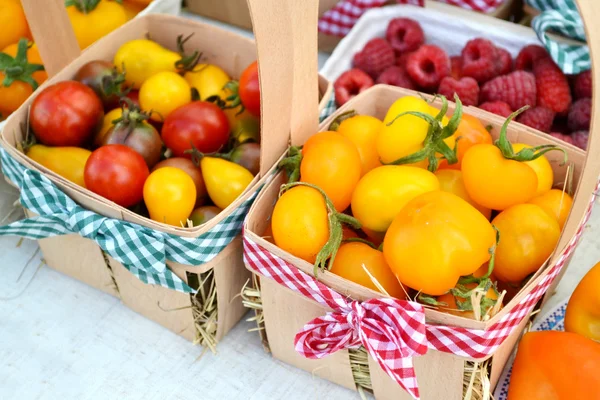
428 66
375 57
528 56
583 85
467 90
456 67
396 76
560 125
403 59
504 61
539 118
516 89
479 60
351 83
580 139
562 136
580 115
497 107
553 90
404 34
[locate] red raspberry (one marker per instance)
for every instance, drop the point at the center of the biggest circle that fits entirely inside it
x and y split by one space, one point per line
539 118
504 61
563 137
580 115
456 67
580 139
497 107
428 66
529 55
583 85
375 57
404 34
467 90
403 59
517 89
560 125
351 83
553 90
479 60
396 76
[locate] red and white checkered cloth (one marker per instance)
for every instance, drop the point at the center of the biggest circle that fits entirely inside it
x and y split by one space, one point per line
392 331
341 18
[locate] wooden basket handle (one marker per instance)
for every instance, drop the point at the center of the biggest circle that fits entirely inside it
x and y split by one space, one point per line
52 33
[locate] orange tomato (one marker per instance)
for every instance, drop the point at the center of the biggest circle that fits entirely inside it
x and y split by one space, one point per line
13 96
352 258
331 162
362 130
13 23
348 233
33 57
542 168
451 181
583 309
471 132
452 302
556 203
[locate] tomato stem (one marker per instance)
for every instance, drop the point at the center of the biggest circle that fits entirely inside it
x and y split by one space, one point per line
360 240
18 68
291 163
335 124
187 61
84 6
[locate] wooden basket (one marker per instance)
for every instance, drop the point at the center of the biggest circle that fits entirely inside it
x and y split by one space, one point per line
440 375
82 258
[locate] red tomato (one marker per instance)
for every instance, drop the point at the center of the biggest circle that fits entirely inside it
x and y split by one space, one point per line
250 89
66 114
134 96
118 173
200 124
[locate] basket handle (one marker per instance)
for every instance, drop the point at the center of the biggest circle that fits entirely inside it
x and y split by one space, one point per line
52 33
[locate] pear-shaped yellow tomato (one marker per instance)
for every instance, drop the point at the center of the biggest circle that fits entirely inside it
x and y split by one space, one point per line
583 310
528 235
435 239
224 180
209 80
363 130
142 58
68 162
92 20
556 203
452 181
163 93
170 195
351 260
384 191
542 168
300 222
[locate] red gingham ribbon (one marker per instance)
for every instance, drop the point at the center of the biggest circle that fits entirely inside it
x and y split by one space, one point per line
341 18
392 330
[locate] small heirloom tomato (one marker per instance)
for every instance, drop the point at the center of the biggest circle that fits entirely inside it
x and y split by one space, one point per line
170 195
202 215
384 191
363 130
188 166
435 239
456 301
209 80
224 180
68 162
556 203
452 181
163 93
583 309
104 79
528 235
13 22
471 132
249 89
552 365
542 168
93 19
353 258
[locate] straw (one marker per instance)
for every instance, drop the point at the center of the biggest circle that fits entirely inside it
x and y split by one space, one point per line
111 273
204 311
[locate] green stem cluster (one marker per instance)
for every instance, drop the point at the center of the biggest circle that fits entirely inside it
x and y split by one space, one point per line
291 163
187 61
18 68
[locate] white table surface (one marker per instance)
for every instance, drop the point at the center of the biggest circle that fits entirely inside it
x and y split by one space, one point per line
60 339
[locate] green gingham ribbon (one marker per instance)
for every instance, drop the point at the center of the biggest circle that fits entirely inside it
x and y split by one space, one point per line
562 16
328 109
143 251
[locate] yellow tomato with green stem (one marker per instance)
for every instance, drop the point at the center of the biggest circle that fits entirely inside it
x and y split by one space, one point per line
33 57
542 168
170 196
93 19
68 162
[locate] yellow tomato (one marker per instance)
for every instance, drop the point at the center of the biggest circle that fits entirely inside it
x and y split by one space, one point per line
209 80
13 22
363 130
68 162
33 57
224 180
170 195
556 203
12 96
164 92
541 167
451 181
300 222
91 23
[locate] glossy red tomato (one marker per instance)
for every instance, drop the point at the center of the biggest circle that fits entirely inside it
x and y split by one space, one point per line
200 124
66 114
250 89
117 173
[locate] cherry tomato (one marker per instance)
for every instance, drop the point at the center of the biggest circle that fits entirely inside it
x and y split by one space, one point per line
199 124
362 130
583 309
66 114
163 93
188 166
471 132
209 80
248 156
13 22
451 181
202 215
352 257
556 203
104 79
107 124
452 302
331 162
170 195
249 89
68 162
528 235
92 20
542 168
117 173
225 181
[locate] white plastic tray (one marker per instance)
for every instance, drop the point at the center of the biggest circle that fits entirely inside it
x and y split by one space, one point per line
445 26
172 7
